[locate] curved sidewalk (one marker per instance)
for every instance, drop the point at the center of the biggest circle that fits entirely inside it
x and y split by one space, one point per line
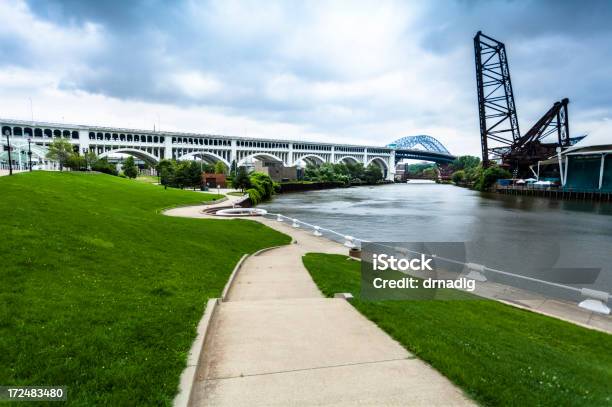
277 341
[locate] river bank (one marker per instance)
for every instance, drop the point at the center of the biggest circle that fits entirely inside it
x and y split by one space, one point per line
301 186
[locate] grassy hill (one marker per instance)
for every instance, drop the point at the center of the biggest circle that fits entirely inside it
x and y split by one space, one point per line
102 294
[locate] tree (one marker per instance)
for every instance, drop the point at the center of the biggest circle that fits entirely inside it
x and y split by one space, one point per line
182 175
129 167
208 168
430 173
465 162
262 187
233 169
60 150
458 176
220 167
241 180
489 176
356 172
102 165
195 175
76 162
373 174
90 159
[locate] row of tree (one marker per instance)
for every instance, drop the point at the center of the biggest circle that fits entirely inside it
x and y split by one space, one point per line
347 174
469 172
186 174
62 151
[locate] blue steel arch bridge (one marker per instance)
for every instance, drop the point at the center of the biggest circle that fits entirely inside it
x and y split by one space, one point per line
432 149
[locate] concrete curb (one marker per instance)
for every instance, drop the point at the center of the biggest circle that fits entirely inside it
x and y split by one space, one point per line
188 375
232 277
203 203
267 249
550 315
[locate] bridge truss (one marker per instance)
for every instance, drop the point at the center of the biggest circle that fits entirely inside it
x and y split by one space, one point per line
500 136
433 150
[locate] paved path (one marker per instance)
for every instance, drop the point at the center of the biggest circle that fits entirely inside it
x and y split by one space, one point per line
278 341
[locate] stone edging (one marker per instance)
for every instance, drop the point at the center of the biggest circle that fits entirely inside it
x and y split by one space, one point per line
230 281
232 277
266 249
203 203
188 375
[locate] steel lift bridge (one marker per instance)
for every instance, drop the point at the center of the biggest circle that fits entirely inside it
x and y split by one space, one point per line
500 136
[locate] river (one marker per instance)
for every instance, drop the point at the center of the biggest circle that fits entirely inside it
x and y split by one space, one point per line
429 212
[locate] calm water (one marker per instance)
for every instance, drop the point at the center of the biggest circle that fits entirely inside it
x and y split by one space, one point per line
443 213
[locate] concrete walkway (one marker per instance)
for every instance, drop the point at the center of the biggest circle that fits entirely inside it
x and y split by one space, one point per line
277 341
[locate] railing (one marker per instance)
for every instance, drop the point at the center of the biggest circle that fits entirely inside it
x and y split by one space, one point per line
347 240
594 300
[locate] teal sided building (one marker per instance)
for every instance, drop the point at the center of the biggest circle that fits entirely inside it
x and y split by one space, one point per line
587 166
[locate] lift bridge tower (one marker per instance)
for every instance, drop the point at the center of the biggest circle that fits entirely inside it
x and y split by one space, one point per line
500 136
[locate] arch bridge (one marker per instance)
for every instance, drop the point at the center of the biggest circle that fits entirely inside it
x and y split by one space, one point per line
153 146
432 149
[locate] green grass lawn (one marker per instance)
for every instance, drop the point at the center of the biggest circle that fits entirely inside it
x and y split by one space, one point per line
101 293
499 355
147 178
236 193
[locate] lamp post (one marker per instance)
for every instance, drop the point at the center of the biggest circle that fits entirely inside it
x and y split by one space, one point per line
8 142
30 153
85 150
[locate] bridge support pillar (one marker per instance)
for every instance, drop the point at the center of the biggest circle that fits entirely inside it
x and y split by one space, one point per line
391 165
234 152
168 147
83 141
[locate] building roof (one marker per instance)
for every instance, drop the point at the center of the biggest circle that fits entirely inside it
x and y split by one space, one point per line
598 139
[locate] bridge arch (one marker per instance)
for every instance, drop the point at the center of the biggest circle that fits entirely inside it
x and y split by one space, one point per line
206 156
380 162
311 159
428 142
259 156
141 154
347 159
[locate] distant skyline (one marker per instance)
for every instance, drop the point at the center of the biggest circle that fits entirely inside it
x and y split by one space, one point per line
350 72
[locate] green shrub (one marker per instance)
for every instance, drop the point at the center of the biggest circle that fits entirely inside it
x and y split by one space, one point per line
76 162
262 187
254 196
102 165
458 176
130 169
489 176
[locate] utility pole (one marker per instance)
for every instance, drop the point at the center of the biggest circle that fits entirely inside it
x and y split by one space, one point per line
7 133
29 154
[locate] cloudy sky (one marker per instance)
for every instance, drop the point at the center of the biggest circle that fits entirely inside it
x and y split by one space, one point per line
355 71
